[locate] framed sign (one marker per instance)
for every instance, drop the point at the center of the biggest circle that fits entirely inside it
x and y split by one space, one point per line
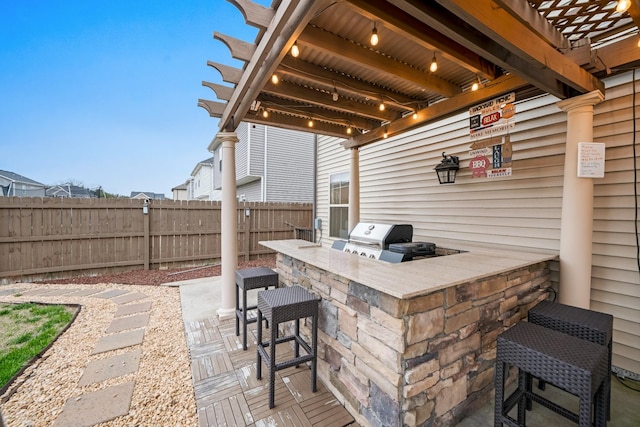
591 160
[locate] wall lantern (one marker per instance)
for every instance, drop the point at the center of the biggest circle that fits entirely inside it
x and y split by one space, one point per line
145 207
447 169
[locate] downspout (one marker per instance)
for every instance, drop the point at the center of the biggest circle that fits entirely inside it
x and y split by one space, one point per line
314 207
266 159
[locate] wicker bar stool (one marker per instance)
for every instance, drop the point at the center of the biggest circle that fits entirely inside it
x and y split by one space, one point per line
284 305
246 280
575 365
581 323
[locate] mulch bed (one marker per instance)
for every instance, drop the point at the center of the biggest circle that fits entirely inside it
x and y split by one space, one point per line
158 277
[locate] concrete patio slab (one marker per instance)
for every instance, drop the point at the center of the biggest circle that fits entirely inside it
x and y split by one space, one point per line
96 407
121 340
111 367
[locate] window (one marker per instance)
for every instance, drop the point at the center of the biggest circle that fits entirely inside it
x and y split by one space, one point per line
339 205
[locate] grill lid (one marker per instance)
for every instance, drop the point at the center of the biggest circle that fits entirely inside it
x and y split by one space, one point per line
380 235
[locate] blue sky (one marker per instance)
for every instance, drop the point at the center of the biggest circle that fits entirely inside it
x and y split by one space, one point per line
105 93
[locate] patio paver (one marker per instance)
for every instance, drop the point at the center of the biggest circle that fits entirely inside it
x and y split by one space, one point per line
121 340
129 322
130 297
111 367
96 407
126 310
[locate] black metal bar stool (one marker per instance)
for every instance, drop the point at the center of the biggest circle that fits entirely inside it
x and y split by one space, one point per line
575 365
284 305
248 279
578 322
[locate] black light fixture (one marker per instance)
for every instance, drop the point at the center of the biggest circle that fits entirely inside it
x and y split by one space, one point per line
447 169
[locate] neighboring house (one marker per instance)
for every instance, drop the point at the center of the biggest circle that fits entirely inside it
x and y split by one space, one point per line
70 190
201 181
398 185
13 184
146 195
272 165
181 192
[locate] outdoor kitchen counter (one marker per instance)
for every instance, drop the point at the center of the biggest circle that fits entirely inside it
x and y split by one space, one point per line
412 343
413 278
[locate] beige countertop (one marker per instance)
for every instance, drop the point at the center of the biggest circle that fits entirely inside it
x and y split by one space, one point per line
414 278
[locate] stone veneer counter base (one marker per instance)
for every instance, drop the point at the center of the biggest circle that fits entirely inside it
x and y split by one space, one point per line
412 343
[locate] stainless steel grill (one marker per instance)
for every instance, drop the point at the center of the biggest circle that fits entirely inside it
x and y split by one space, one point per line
387 242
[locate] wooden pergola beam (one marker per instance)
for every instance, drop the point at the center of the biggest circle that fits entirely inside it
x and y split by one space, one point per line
345 85
536 57
334 45
409 26
440 110
309 96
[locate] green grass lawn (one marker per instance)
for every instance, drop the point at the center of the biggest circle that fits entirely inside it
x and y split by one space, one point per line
25 330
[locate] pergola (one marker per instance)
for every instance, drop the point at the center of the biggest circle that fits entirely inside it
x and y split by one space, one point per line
432 59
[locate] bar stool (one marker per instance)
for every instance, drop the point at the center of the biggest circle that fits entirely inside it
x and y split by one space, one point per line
284 305
575 365
248 279
578 322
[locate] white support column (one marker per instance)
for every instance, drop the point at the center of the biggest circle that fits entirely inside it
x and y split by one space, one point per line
576 227
229 225
354 189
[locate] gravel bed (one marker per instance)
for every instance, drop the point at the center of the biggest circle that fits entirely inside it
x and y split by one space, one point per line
163 393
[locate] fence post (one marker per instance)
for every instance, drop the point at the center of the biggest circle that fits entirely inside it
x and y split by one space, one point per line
247 234
147 246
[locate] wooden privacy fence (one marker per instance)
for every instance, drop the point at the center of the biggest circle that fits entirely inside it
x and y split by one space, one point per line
62 237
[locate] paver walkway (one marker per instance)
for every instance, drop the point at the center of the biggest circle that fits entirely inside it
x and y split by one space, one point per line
126 331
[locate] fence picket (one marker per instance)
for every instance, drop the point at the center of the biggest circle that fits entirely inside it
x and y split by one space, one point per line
51 237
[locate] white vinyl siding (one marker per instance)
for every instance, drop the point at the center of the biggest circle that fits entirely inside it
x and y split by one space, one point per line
290 164
249 192
242 150
332 158
399 185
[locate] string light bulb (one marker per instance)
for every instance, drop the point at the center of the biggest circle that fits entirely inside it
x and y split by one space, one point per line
349 130
265 113
374 36
623 6
334 94
385 134
381 106
434 64
295 50
275 79
415 115
476 85
310 123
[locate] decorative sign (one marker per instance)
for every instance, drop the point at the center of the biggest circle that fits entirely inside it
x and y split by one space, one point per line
493 116
591 160
491 157
498 173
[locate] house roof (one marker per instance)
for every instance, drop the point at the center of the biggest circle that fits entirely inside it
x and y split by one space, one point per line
14 177
338 81
68 190
199 165
146 195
